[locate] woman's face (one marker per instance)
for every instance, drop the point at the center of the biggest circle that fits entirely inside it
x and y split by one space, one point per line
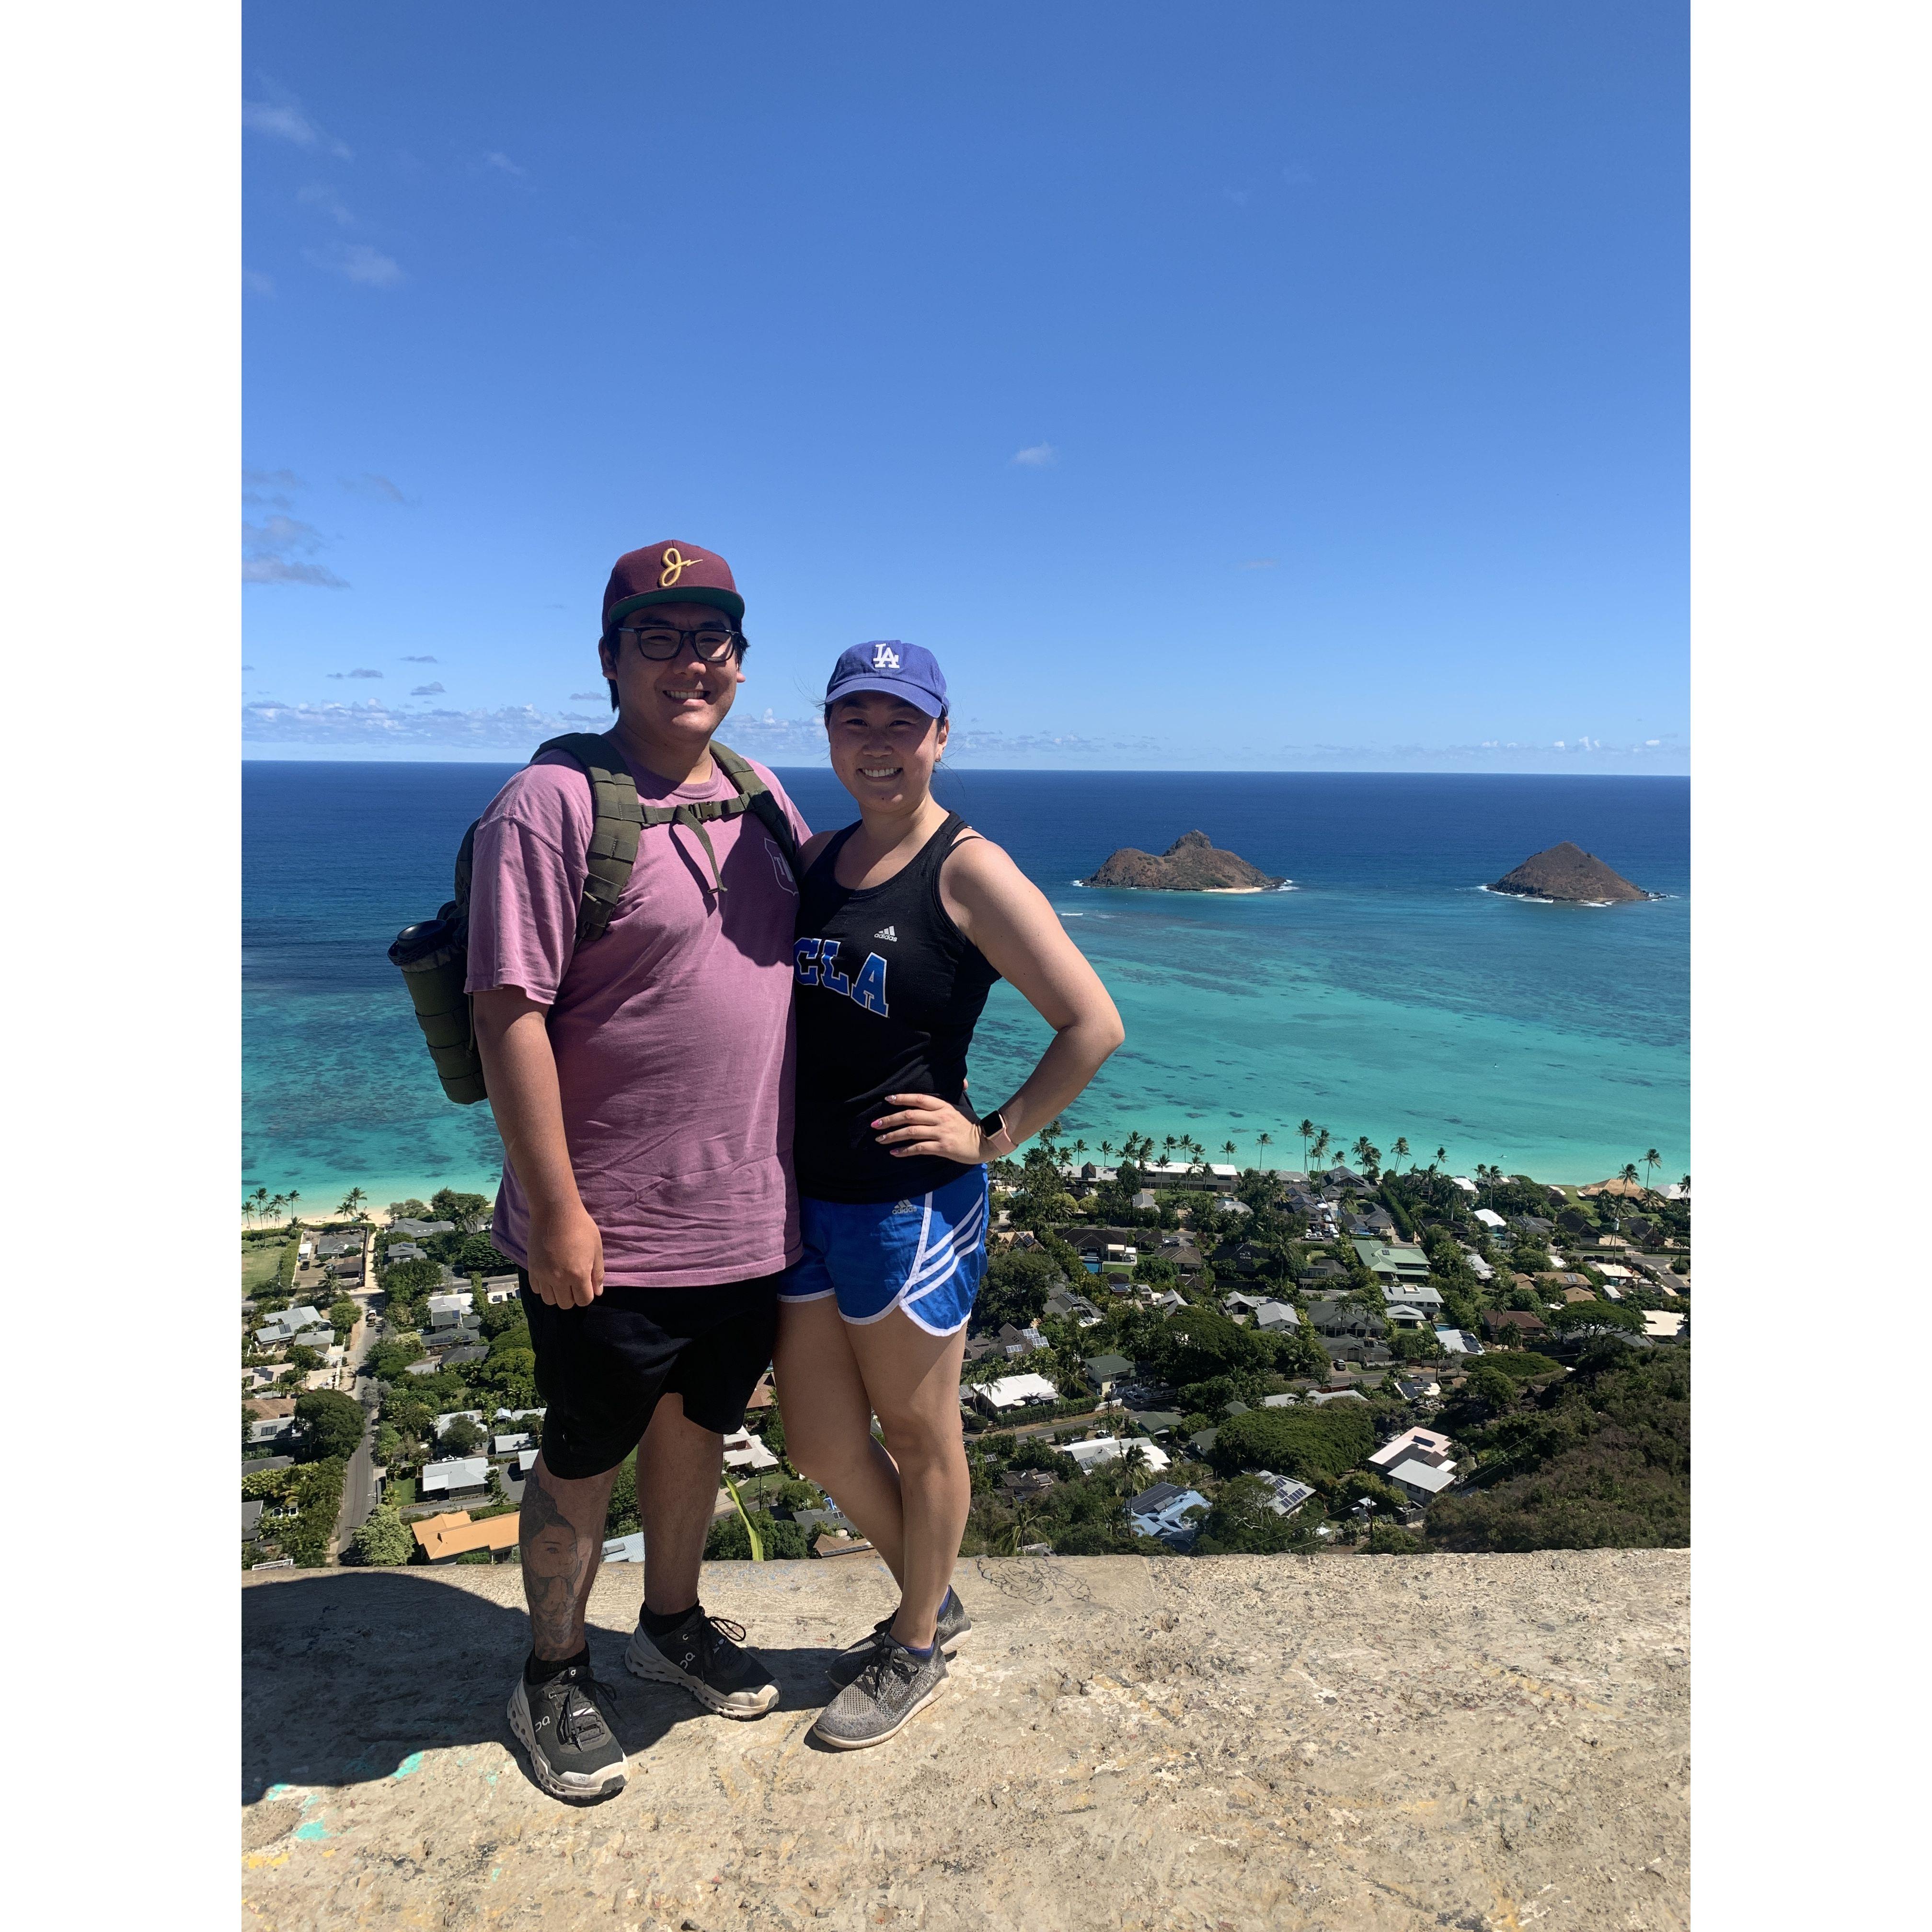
883 749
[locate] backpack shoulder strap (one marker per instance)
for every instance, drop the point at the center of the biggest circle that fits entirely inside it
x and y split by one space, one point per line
758 797
619 816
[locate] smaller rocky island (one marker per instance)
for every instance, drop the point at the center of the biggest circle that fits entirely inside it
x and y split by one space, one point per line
1190 865
1568 873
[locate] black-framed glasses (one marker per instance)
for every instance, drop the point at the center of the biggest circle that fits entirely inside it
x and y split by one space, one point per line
711 643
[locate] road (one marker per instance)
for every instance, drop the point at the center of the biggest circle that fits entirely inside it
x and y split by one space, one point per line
358 1486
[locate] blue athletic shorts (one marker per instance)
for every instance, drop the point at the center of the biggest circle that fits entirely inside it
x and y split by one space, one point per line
926 1255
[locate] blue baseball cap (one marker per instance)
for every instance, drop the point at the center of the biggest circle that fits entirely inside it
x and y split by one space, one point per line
899 670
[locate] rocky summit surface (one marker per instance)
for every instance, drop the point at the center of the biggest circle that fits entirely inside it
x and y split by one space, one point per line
1223 1744
1568 873
1190 865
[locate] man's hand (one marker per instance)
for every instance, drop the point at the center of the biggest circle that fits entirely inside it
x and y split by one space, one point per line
566 1257
928 1125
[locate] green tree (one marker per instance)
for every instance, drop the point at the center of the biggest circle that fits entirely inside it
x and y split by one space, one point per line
1316 1444
1262 1143
461 1438
343 1314
1652 1161
1493 1387
1577 1318
466 1210
1195 1344
411 1210
302 1356
331 1424
1240 1522
385 1538
1015 1289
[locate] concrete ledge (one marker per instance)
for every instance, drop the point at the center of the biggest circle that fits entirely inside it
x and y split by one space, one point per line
1223 1744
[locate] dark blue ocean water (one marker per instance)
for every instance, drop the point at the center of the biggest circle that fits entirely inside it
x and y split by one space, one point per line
1384 995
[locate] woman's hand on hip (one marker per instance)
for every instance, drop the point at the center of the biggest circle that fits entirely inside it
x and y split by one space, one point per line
925 1124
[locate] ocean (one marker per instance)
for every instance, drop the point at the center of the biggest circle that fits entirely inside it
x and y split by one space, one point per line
1385 994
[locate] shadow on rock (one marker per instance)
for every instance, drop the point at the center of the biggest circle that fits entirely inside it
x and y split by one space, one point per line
348 1678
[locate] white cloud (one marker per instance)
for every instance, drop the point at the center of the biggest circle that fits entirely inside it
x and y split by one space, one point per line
360 263
1297 174
504 165
271 549
339 675
256 283
319 194
370 485
519 728
421 660
427 690
593 696
273 479
1239 196
1036 456
1260 563
283 119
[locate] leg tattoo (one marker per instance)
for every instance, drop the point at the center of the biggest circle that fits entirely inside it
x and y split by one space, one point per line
556 1561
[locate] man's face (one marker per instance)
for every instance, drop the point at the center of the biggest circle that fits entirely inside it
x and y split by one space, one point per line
679 700
883 749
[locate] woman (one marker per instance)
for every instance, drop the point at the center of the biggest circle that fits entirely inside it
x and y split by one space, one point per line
905 920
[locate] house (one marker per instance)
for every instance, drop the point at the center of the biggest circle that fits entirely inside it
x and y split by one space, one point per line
330 1245
285 1326
1336 1395
1401 1262
1200 1441
1023 1485
1273 1315
1535 1225
978 1347
1412 1293
1155 1421
1144 1202
1340 1180
444 1538
1168 1300
1021 1341
1285 1495
1514 1325
264 1406
456 1358
497 1287
1333 1318
251 1515
458 1475
1492 1220
512 1445
273 1429
1238 1304
1014 1392
1161 1511
1283 1401
315 1338
839 1543
1377 1225
1478 1266
1322 1272
744 1451
442 1422
526 1461
1063 1305
1462 1181
445 1309
1418 1388
1090 1455
348 1269
626 1549
1107 1373
1417 1462
407 1226
255 1466
404 1251
1666 1325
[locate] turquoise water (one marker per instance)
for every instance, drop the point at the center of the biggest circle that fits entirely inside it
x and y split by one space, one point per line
1384 995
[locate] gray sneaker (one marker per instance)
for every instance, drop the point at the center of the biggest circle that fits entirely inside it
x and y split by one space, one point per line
892 1686
953 1626
565 1726
705 1656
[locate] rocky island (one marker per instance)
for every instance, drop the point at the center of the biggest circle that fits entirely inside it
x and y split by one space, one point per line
1190 865
1567 873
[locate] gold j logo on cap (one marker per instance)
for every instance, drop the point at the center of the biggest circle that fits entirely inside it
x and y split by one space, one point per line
675 565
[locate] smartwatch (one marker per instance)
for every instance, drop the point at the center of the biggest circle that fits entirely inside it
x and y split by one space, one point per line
990 1126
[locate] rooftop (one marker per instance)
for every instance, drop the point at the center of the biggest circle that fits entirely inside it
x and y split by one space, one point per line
1336 1741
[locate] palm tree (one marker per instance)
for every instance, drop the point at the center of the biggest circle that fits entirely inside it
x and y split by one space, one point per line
1262 1143
276 1205
1685 1184
1106 1152
1441 1156
1079 1150
1228 1149
1652 1161
1167 1144
295 1195
1319 1151
260 1197
1360 1149
1400 1150
1307 1131
1627 1174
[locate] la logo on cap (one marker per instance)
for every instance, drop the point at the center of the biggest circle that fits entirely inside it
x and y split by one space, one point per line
884 658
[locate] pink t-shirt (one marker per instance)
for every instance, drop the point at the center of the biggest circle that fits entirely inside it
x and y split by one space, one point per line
673 1033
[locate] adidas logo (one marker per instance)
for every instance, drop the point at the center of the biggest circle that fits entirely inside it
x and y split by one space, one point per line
885 932
902 1207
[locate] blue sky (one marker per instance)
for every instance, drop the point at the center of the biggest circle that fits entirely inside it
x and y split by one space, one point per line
1274 386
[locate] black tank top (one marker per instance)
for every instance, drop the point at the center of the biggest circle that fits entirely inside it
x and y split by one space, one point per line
888 991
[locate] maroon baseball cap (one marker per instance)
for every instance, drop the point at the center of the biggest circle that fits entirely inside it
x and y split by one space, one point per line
669 573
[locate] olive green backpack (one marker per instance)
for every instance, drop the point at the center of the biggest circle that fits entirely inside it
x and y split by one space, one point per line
433 955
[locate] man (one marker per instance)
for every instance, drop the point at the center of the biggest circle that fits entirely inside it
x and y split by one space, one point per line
642 1084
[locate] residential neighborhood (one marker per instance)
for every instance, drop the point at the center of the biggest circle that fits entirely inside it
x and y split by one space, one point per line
1168 1356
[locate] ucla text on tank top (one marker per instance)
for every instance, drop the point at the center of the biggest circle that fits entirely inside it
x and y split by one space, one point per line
888 990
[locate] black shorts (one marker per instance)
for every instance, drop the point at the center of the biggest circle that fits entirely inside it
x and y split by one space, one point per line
601 1369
